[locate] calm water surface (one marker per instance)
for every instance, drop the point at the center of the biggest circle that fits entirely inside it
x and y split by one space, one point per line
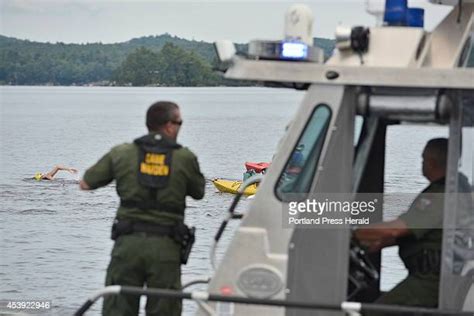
54 239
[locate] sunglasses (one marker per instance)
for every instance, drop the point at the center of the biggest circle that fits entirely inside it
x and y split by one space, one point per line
179 123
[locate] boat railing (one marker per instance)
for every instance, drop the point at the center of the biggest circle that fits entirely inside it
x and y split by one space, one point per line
352 308
256 178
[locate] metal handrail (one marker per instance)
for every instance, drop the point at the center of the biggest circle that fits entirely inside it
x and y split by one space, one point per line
348 307
231 215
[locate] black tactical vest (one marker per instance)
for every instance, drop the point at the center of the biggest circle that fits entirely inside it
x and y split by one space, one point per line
154 160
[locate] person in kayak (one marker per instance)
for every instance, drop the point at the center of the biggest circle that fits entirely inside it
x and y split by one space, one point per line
50 175
249 173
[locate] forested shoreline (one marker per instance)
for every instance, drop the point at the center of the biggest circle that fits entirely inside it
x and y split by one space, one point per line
162 60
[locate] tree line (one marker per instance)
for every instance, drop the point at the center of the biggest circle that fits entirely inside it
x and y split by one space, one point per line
171 66
162 60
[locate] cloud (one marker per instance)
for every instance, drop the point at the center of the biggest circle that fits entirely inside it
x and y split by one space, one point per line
50 6
107 21
19 6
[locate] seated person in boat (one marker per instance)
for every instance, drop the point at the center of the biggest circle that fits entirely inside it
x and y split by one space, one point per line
418 234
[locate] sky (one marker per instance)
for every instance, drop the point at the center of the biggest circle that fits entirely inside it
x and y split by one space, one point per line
111 21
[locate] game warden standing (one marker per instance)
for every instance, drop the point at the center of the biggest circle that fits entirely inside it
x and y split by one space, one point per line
153 177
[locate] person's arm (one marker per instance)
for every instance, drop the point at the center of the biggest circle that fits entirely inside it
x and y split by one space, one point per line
196 182
50 175
98 175
380 235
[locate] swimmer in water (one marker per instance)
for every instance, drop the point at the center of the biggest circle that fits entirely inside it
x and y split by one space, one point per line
50 175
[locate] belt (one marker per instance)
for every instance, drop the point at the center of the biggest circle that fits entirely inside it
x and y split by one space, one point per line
154 229
180 233
124 227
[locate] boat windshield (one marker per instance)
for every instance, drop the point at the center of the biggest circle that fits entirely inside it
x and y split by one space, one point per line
300 168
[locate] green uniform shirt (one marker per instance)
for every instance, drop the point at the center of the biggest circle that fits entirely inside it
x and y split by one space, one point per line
425 220
121 165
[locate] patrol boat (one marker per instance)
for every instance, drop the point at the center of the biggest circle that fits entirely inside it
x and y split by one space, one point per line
392 74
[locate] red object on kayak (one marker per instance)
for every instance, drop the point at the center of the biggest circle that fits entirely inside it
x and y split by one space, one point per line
257 166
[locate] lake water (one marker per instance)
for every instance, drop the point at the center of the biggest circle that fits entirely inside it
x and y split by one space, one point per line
55 241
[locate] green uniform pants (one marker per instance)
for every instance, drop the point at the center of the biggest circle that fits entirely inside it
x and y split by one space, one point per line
139 260
416 290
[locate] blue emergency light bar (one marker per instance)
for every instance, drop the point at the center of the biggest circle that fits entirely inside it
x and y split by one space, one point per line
415 17
294 50
288 50
397 13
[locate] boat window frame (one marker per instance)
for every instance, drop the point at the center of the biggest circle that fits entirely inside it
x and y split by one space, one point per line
280 195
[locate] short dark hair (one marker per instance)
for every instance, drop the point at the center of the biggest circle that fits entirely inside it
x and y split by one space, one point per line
160 113
438 149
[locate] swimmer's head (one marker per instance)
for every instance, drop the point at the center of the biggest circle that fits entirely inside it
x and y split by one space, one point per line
38 176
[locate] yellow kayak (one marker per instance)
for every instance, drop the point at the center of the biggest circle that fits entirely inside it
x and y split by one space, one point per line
231 186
